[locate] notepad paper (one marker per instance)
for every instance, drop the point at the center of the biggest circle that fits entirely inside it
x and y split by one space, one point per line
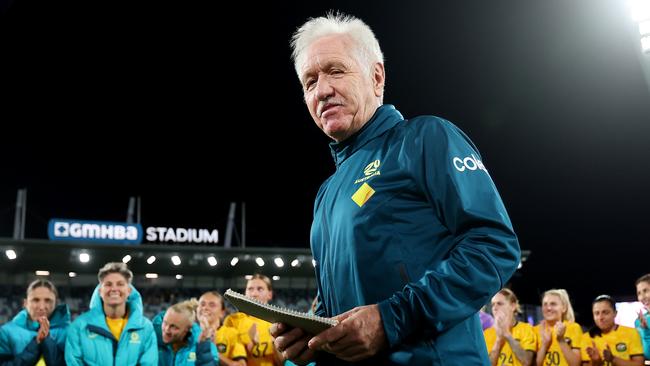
274 314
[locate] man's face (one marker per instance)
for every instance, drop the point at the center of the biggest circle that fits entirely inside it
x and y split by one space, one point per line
114 289
40 302
340 94
174 327
258 290
210 307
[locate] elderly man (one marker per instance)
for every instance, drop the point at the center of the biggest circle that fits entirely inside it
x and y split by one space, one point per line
410 235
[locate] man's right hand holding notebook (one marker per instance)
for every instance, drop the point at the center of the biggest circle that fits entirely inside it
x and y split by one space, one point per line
358 335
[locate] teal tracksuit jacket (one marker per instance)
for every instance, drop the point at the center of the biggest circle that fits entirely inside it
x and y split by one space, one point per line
645 335
412 221
194 353
18 345
90 342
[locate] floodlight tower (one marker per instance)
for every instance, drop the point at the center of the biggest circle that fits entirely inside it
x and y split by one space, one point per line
640 12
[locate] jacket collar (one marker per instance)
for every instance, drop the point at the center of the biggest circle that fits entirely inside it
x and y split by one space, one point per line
60 318
133 305
385 118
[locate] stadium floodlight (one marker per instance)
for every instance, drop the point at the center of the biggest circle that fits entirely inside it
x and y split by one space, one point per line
179 276
84 257
234 261
151 259
176 260
259 261
212 261
295 263
645 44
248 277
11 254
276 278
42 273
279 262
151 275
313 262
639 9
640 13
126 258
72 274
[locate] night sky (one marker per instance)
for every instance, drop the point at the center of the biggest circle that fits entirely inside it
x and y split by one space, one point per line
171 102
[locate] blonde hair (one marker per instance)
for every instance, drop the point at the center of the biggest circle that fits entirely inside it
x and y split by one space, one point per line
510 296
187 308
266 280
563 295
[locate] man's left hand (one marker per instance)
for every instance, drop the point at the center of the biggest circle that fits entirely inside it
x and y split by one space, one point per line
359 335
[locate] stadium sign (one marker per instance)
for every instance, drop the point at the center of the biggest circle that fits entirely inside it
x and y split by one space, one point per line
182 235
94 231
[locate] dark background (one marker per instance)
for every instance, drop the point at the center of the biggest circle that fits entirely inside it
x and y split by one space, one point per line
191 106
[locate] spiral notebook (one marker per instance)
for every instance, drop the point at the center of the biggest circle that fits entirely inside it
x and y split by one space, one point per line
310 323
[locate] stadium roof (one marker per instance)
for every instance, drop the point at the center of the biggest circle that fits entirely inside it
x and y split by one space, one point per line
36 254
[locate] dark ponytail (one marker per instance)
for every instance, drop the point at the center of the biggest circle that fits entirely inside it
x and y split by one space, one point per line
595 331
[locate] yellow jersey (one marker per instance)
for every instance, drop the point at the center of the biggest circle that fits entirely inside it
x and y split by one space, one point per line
624 342
263 353
522 333
228 344
554 355
116 326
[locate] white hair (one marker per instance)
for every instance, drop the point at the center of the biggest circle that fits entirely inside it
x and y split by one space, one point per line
368 50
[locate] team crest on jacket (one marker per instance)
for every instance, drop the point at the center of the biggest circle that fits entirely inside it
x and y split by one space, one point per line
135 338
370 171
191 357
621 347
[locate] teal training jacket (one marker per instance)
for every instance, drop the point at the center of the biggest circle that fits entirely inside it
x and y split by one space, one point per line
90 342
411 220
18 339
645 335
193 353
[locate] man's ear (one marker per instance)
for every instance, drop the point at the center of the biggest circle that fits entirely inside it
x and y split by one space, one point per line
378 79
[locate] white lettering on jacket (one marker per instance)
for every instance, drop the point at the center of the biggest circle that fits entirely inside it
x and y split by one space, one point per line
468 163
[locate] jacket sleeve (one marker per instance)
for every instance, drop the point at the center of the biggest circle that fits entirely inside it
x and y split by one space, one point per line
644 333
485 251
206 354
53 352
29 356
149 355
73 351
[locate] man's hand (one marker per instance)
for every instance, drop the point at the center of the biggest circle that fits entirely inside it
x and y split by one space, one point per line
43 329
359 335
292 343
